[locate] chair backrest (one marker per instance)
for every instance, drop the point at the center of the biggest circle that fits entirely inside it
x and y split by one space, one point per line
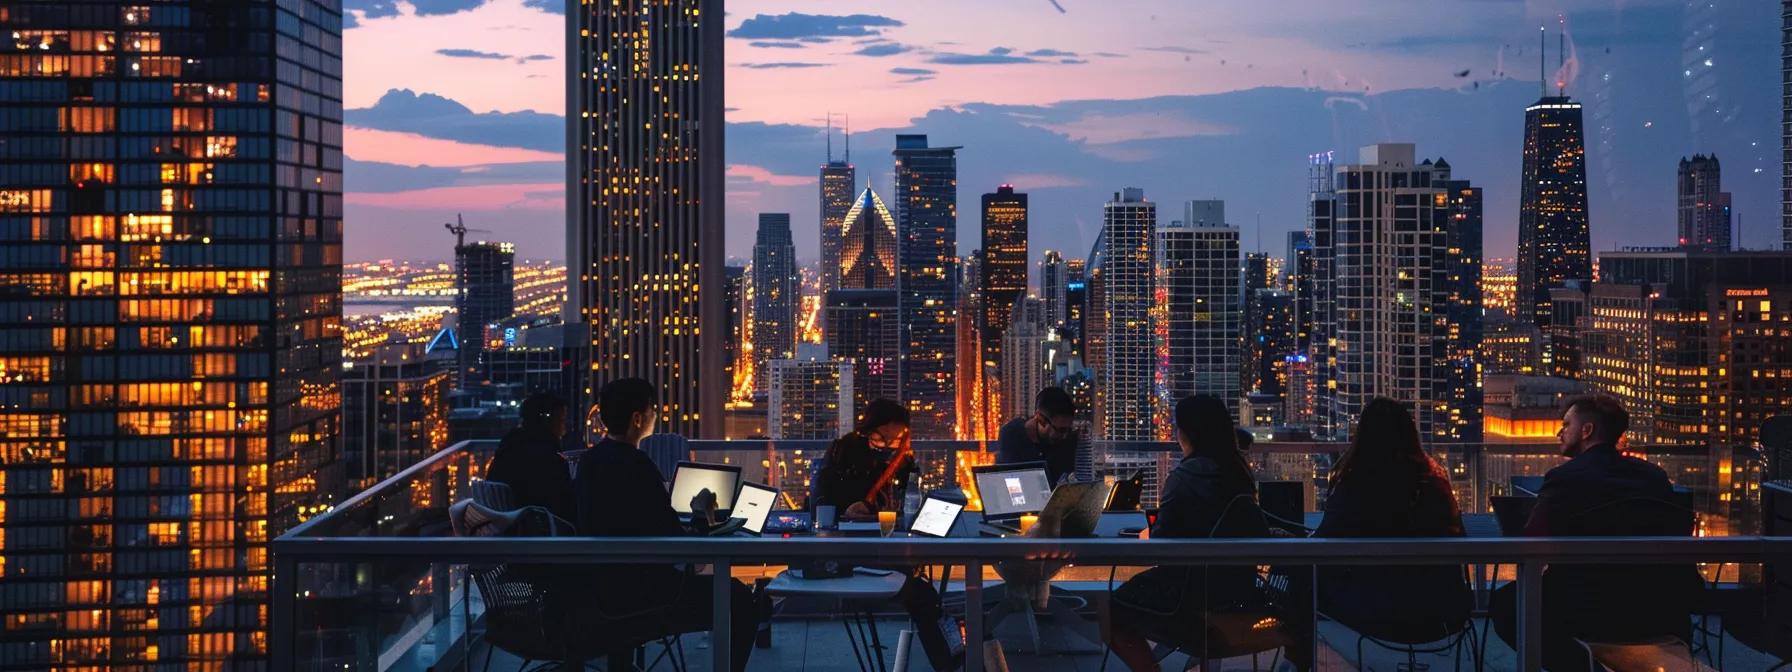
1634 517
1240 518
666 451
492 495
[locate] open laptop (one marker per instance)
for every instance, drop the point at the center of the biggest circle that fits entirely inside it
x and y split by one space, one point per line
691 478
1512 512
1010 491
1127 494
753 506
936 518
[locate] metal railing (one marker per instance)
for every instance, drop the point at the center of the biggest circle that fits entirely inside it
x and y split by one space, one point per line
396 538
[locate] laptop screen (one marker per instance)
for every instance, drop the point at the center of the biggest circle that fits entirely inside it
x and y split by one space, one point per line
936 518
754 506
692 477
1013 490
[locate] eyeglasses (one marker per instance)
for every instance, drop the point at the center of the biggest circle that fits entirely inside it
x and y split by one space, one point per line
878 440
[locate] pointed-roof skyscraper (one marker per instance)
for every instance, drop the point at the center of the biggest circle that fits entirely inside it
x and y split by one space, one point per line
1553 241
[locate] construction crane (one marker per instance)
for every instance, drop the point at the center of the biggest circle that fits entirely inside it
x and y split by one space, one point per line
459 229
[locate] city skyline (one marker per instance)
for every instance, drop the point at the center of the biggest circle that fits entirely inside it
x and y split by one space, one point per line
1071 139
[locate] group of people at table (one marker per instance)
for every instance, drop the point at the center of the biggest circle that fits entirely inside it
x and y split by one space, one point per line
1384 485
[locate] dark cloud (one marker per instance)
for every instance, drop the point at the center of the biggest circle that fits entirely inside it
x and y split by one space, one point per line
1052 53
884 49
438 117
472 53
1175 50
797 26
996 56
1109 54
1073 61
534 57
911 71
776 45
374 9
786 65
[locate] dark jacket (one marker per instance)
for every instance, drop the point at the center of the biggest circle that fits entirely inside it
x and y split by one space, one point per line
620 494
1599 475
1421 600
1013 446
1602 492
1200 500
851 468
529 462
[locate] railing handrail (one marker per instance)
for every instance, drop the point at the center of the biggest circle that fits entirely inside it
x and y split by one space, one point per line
393 481
1317 551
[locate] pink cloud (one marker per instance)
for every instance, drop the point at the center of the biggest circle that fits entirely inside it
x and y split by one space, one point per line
760 175
482 197
411 149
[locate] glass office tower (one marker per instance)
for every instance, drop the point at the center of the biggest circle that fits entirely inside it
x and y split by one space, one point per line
170 280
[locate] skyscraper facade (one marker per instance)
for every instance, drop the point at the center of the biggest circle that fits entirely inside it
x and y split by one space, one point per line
1322 203
1004 278
1553 242
1198 272
1054 279
1389 266
1076 305
868 247
972 397
777 293
1126 377
645 187
485 284
1704 205
863 326
927 276
394 412
810 396
837 181
172 341
734 313
1461 304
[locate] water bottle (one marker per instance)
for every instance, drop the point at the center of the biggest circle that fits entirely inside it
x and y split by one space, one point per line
911 504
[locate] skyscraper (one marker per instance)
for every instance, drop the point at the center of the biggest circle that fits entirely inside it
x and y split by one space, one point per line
1786 124
1076 305
485 284
1321 302
1198 262
1460 303
837 181
1553 242
734 312
862 325
1389 264
777 292
1004 276
394 412
927 272
1054 280
1128 369
172 346
972 397
1704 205
645 186
868 247
810 396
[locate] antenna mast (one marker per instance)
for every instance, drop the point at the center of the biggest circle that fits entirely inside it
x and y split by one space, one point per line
1542 60
1562 57
830 137
848 137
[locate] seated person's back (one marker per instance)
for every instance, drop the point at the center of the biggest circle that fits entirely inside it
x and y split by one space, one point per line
528 459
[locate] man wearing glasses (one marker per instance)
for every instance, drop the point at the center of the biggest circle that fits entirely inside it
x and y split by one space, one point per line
1048 436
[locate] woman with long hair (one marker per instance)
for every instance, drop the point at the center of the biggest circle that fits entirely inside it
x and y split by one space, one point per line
1210 493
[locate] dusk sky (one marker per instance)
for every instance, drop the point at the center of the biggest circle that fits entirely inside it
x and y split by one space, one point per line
455 106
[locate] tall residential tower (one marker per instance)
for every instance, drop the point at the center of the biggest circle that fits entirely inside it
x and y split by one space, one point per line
645 184
777 294
927 277
1126 375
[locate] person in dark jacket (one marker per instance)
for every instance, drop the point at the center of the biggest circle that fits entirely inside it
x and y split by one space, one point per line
1210 494
1048 436
620 494
1603 492
848 481
1386 486
528 459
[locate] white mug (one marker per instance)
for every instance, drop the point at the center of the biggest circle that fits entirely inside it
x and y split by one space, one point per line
824 517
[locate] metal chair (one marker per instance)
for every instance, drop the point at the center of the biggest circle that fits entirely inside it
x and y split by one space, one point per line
1448 635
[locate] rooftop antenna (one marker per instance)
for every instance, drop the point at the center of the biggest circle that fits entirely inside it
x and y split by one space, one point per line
830 137
848 137
1542 61
1562 56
